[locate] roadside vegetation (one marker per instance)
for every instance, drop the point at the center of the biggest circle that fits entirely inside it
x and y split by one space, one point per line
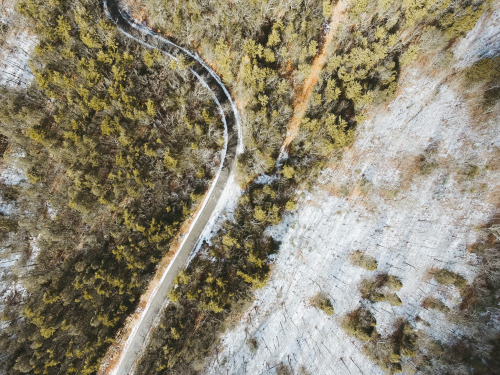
121 143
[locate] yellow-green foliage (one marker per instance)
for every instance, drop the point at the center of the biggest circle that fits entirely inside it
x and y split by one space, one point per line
327 8
290 205
410 54
151 56
394 283
358 8
458 23
482 71
387 351
380 288
288 171
444 276
223 55
256 282
259 214
322 302
360 323
393 299
360 259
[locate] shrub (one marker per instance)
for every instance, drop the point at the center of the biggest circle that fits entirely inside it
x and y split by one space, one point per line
387 351
360 323
394 282
370 290
283 369
445 277
469 172
484 72
434 303
360 259
375 290
411 54
393 299
479 72
322 302
253 344
427 164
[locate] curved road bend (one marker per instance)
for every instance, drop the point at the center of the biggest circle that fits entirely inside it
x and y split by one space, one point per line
232 132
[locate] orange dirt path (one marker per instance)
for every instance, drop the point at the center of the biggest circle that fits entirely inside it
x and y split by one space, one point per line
319 61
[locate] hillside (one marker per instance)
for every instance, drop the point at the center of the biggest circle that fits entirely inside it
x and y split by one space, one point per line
416 192
249 187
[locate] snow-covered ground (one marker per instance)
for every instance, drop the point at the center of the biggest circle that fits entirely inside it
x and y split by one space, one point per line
15 48
378 199
9 285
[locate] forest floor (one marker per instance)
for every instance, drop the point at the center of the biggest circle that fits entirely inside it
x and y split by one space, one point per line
381 200
305 92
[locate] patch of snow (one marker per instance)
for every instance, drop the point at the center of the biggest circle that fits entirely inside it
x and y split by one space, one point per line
7 9
35 250
277 232
14 57
265 179
15 48
6 209
482 41
12 176
50 210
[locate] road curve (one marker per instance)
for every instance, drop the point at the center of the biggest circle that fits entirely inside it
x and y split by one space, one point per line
233 145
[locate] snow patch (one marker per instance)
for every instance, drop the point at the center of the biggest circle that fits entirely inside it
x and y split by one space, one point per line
14 57
482 41
12 176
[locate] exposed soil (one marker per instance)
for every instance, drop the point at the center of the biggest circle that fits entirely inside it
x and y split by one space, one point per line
302 99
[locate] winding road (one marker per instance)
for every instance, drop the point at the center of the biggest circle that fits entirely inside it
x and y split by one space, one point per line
136 339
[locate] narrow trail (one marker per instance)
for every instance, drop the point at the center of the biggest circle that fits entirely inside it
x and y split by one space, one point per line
122 355
302 99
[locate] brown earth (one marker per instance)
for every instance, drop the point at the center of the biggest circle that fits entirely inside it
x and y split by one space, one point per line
302 99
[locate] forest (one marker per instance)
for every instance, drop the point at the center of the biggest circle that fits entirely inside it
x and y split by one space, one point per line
118 144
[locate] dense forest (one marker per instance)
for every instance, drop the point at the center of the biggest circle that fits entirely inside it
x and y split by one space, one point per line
119 144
